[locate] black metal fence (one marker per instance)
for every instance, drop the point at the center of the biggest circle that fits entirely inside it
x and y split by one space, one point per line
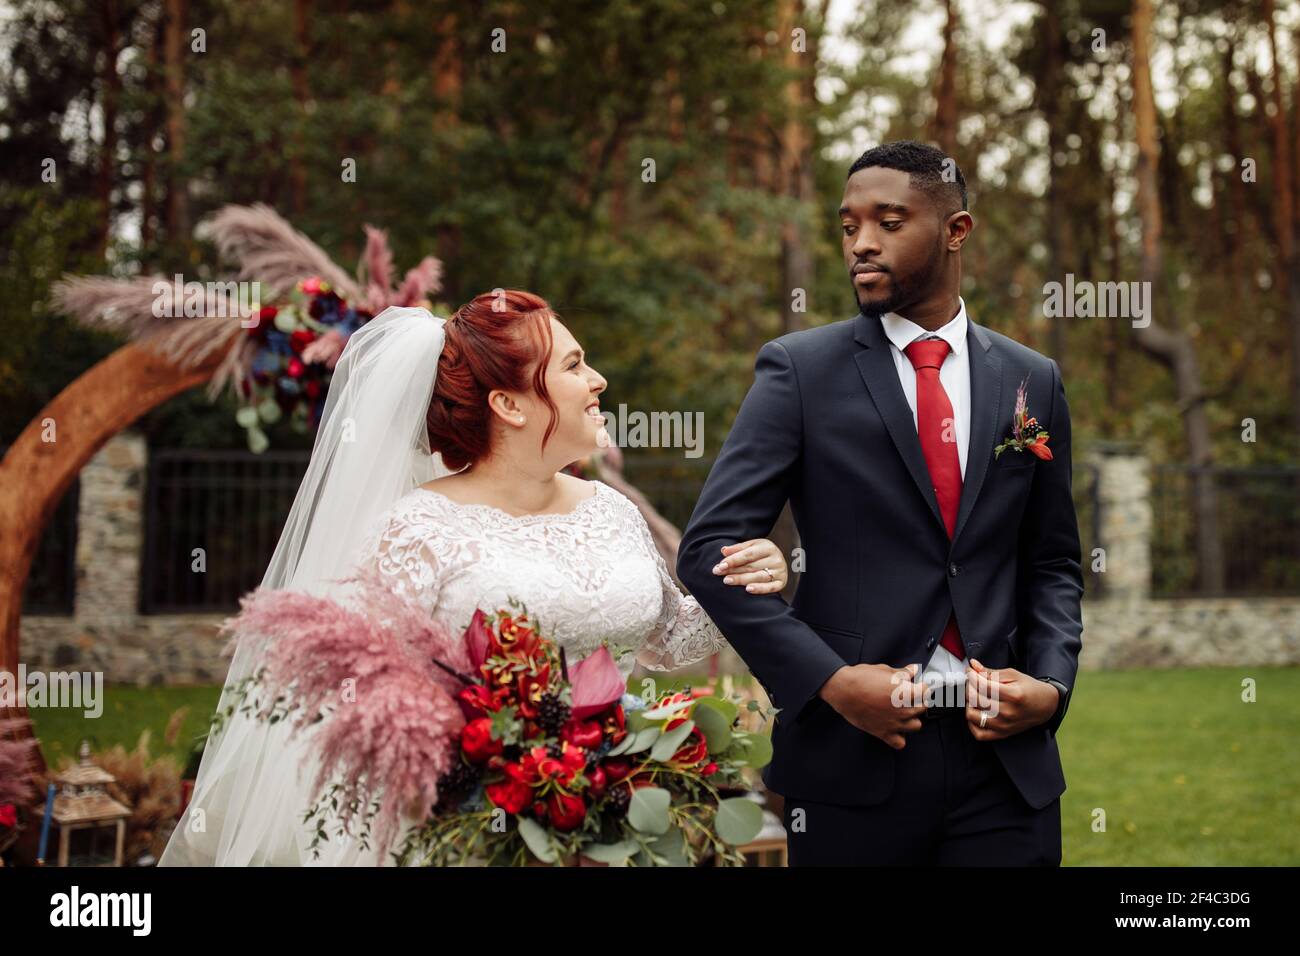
1257 510
230 504
233 504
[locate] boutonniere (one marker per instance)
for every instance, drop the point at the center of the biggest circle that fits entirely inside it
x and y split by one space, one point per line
1025 430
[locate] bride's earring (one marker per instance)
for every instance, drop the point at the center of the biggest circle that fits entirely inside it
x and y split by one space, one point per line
521 419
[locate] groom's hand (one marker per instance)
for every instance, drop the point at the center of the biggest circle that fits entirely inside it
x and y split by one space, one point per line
1013 701
884 701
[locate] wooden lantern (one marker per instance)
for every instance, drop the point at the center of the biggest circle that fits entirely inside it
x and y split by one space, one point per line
83 803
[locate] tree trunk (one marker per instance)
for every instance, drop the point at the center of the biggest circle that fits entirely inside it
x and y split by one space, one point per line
795 163
1171 346
148 160
301 94
1050 106
1234 209
448 81
178 207
945 89
111 85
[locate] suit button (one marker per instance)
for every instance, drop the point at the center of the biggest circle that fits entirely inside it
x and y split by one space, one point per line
952 570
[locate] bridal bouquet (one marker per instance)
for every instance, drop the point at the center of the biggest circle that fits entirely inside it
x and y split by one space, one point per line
491 745
557 764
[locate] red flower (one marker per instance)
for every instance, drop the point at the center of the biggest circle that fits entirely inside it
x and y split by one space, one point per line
709 769
509 794
597 781
566 810
532 688
265 319
300 339
682 715
538 766
583 733
516 640
480 700
296 368
616 724
694 749
477 742
1039 448
616 768
8 815
478 639
314 286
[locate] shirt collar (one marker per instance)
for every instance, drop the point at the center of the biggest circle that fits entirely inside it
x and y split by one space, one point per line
903 332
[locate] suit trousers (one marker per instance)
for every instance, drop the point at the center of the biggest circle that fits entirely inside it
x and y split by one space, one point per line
953 804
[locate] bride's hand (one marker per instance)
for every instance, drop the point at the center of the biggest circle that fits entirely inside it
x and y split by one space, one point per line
744 563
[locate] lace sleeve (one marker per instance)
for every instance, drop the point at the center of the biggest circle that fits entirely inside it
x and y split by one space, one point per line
401 550
683 633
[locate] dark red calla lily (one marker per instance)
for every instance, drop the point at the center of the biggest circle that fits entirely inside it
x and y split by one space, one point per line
478 638
597 684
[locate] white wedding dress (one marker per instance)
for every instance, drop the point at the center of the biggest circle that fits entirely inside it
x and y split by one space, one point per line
587 576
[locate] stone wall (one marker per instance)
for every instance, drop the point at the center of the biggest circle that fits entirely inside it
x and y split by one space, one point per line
1123 628
1128 628
106 632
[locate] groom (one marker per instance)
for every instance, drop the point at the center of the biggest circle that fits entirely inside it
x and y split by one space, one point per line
937 573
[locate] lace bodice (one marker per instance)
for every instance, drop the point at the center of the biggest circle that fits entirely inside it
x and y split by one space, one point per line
589 576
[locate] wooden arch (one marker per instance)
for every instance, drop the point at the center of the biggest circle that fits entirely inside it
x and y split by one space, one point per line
36 472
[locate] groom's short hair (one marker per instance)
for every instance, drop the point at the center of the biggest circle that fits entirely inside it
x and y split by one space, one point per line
930 170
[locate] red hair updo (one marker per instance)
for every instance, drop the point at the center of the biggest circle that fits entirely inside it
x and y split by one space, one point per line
497 340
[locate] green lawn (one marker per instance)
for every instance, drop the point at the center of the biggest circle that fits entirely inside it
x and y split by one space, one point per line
1186 773
127 712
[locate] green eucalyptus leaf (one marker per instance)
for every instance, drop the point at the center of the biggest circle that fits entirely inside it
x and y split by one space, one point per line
269 411
648 810
537 839
725 707
257 440
667 745
613 853
715 727
643 740
751 750
739 820
671 846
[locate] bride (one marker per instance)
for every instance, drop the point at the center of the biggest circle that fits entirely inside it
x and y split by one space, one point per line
439 462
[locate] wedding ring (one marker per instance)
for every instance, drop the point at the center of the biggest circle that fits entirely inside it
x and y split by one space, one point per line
984 719
770 575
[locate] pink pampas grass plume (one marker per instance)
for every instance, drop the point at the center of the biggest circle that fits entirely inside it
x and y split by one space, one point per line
391 721
16 752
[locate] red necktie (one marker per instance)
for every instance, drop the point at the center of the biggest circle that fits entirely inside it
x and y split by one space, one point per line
936 427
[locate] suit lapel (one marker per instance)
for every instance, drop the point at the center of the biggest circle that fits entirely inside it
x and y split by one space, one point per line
985 398
876 365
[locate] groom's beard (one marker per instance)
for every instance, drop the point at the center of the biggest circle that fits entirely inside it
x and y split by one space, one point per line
902 292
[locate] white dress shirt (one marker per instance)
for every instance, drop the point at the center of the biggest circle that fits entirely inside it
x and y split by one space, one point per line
954 376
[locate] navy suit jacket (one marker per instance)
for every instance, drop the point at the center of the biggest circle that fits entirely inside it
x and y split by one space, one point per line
826 427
